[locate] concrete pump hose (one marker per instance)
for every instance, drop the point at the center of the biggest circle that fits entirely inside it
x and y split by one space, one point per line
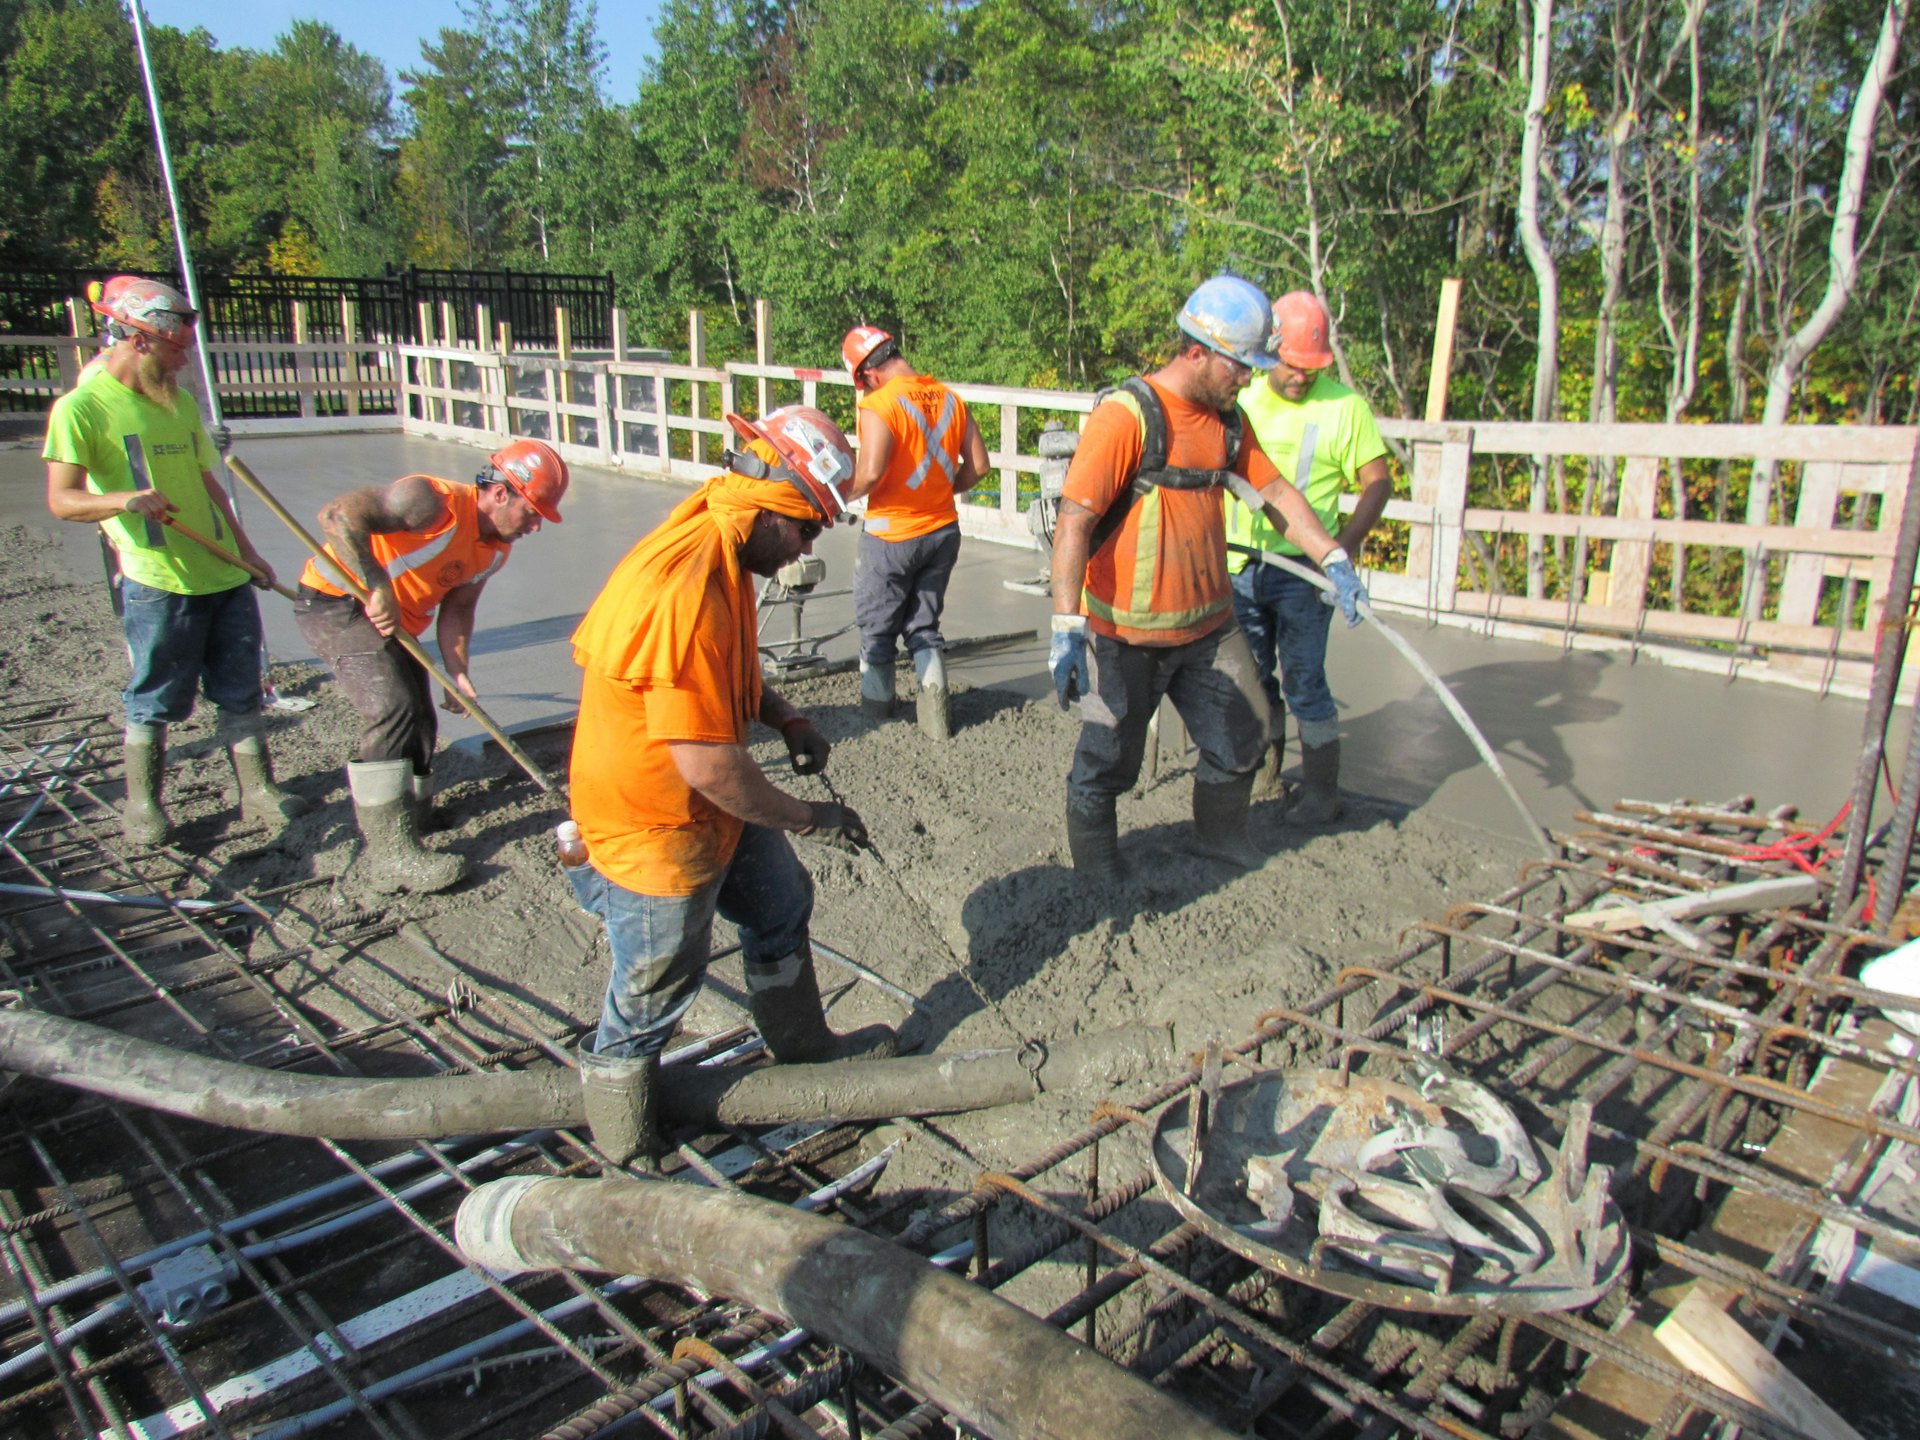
986 1361
246 1097
1433 681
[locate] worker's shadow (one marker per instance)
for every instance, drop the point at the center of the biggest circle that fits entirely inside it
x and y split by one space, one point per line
1406 749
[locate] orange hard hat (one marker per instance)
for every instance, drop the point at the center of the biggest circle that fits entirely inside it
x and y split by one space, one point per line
860 345
147 306
816 458
536 472
1300 329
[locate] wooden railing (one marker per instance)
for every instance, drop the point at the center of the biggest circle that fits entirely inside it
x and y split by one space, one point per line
1798 598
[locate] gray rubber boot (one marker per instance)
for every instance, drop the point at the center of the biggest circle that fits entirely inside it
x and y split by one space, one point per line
383 804
622 1099
1093 838
1318 799
784 999
931 667
260 799
1267 784
876 690
1220 823
142 820
426 821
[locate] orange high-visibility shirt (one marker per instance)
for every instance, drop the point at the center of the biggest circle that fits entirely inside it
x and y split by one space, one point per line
929 425
1161 577
646 829
424 567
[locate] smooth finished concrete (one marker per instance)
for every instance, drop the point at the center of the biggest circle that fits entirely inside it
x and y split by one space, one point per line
1573 730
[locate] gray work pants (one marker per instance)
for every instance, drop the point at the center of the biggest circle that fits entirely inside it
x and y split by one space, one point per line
899 590
1213 685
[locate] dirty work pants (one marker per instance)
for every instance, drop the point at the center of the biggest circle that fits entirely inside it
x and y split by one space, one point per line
660 942
388 687
1213 686
1286 624
899 590
179 645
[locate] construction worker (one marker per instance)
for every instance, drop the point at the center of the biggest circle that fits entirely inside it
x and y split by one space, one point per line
1142 607
679 821
124 450
918 449
419 545
1322 436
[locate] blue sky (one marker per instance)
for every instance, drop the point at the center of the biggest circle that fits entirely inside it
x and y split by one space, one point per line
394 35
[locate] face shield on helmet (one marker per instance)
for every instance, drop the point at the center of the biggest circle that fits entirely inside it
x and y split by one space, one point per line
1232 317
816 458
131 305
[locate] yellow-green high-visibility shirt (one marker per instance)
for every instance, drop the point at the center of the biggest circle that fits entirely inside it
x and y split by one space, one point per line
124 441
1319 443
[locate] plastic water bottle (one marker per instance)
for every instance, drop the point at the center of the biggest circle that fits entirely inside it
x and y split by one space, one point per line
569 846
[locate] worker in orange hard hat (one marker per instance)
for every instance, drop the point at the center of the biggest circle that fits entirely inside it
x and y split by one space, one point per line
680 822
919 447
419 545
127 451
1322 435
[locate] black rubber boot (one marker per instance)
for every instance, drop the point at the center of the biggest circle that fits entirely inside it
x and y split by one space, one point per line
383 804
622 1098
784 1000
1318 801
876 691
1220 823
1093 838
142 820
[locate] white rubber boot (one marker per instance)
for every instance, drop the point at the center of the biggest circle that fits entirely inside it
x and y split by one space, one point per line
931 667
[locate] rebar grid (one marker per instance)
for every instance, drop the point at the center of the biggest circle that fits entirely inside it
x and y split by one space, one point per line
1689 1059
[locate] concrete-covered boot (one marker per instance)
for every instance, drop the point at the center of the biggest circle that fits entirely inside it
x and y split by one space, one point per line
1093 837
622 1099
426 820
931 667
876 690
1220 822
383 804
260 799
784 999
142 820
1267 784
1318 800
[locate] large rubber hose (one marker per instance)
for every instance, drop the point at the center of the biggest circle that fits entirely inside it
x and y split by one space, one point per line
220 1092
988 1362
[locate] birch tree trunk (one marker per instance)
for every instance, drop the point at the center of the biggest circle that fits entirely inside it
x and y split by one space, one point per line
1546 371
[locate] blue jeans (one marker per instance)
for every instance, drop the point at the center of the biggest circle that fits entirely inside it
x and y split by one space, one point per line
1286 623
183 644
660 942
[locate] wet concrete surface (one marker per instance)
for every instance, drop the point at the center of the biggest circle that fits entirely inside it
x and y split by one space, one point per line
1574 730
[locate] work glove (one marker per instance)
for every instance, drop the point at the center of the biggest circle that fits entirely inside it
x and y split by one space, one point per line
837 825
1348 592
221 436
1067 658
807 748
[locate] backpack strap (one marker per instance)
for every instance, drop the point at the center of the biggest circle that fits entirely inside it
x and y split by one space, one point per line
1153 471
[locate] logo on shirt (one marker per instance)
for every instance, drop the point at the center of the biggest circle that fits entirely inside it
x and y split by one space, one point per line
451 574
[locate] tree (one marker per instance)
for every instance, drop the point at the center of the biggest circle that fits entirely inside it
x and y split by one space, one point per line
449 163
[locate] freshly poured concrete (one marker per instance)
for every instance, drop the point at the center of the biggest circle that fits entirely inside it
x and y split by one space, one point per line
1573 730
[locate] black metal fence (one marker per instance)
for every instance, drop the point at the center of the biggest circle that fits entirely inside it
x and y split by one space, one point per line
259 309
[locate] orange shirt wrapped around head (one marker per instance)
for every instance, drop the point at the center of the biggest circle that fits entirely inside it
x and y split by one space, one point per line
929 425
669 650
424 567
1161 577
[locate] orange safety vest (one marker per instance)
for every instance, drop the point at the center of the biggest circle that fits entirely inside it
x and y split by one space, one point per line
425 566
929 425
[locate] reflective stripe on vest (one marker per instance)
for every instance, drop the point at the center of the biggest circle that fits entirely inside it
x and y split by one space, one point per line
414 559
1139 613
933 435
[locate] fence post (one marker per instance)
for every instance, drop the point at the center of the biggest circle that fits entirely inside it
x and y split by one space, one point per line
67 357
1009 447
560 392
697 356
1632 560
350 336
449 325
762 352
1421 538
619 335
303 368
482 326
1450 504
427 403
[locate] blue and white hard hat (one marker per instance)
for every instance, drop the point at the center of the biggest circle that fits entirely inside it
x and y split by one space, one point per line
1232 316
